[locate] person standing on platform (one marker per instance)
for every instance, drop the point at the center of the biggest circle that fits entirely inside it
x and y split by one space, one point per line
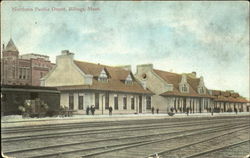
157 110
93 110
236 111
87 110
153 110
187 111
110 110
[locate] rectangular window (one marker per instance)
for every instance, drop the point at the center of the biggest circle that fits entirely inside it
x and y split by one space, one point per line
133 103
148 102
106 100
124 102
23 73
116 102
71 101
14 72
97 100
20 73
80 102
28 73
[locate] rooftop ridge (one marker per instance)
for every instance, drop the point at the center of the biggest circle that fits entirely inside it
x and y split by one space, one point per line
34 54
108 66
167 71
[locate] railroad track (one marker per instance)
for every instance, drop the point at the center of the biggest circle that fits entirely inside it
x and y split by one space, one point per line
154 142
100 131
101 124
136 141
219 149
86 125
194 149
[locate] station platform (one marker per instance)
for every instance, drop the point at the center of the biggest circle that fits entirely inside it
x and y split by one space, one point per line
17 120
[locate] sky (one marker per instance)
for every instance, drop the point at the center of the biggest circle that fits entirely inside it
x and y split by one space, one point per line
210 38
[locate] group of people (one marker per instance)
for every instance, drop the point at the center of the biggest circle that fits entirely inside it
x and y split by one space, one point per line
90 109
153 110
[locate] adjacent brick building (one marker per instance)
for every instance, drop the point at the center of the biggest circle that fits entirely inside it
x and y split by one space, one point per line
24 69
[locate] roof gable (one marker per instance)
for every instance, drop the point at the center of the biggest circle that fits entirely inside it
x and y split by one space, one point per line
116 73
116 79
175 79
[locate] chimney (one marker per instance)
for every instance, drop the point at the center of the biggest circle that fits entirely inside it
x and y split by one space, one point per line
194 73
66 52
65 56
140 69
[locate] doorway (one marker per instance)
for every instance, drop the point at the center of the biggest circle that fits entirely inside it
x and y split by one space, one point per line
140 104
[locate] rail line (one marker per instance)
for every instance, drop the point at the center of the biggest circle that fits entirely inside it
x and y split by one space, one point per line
95 131
110 123
166 152
217 149
127 145
162 140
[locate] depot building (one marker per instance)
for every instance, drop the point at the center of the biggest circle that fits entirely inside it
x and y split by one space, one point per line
84 84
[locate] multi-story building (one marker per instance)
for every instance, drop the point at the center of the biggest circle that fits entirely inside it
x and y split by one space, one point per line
84 84
24 69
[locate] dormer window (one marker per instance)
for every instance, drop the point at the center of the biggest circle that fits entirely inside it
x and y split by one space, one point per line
183 85
202 90
129 80
103 77
184 88
201 87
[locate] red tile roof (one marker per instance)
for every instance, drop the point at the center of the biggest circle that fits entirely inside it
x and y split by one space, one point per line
116 80
226 96
175 79
95 70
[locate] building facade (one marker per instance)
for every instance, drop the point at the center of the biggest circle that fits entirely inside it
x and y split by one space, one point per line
24 69
229 101
182 92
179 92
84 84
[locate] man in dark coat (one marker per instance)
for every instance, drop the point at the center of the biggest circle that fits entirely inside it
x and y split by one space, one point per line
153 110
187 111
110 110
93 110
87 110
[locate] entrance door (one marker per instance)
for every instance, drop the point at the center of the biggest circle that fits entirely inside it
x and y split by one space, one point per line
140 104
200 102
71 101
184 105
224 107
